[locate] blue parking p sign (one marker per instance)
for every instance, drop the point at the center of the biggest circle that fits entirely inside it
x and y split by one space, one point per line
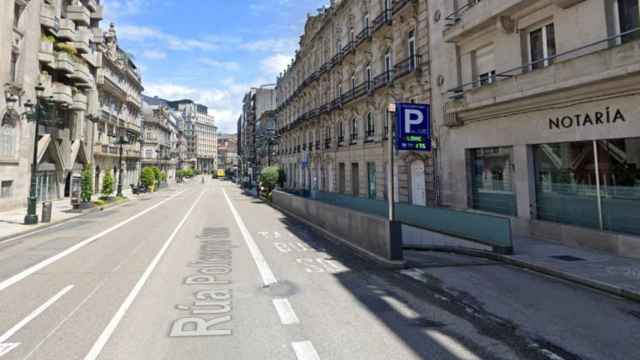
413 127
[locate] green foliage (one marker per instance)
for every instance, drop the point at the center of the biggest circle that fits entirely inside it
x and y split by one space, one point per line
184 173
86 184
66 47
269 178
107 184
48 38
282 176
157 175
148 177
100 203
163 176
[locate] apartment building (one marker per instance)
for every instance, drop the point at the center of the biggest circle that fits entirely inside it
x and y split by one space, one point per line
258 104
120 94
228 152
49 55
355 58
161 144
536 112
201 133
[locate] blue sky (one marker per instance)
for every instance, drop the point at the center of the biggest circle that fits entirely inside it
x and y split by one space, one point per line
211 51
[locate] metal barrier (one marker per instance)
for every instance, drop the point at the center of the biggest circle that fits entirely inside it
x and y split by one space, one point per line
486 229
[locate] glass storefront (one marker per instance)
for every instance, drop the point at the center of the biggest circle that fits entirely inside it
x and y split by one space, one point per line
594 184
46 186
492 180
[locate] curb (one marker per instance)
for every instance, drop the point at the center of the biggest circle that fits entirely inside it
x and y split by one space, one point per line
58 223
593 284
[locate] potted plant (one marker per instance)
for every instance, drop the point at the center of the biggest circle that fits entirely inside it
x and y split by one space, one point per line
86 187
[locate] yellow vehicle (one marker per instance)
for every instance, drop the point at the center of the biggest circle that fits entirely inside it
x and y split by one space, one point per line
220 173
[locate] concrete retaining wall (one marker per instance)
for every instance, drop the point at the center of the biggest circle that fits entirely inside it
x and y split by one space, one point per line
367 233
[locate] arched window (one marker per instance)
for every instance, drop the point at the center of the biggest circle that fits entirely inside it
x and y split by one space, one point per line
8 136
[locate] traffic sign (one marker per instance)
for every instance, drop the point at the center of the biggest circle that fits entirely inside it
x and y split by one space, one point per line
413 127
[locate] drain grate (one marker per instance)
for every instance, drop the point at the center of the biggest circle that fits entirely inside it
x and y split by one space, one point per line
568 258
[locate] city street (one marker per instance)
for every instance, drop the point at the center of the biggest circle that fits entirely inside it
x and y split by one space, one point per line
207 272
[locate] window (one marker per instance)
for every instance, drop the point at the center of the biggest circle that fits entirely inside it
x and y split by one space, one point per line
542 45
365 23
354 130
492 180
355 179
353 82
338 46
17 13
340 132
484 65
8 136
371 180
627 17
351 35
387 116
568 191
6 190
367 75
371 129
339 90
14 67
387 65
412 49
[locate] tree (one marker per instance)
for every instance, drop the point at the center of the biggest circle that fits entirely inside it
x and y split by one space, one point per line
157 175
148 178
87 184
163 176
269 178
107 184
282 177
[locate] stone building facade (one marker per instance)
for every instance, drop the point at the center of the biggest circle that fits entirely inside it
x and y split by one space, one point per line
537 116
51 43
160 146
356 57
201 133
120 93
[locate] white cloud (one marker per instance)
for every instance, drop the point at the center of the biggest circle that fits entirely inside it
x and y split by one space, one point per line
154 54
224 65
172 42
282 45
274 65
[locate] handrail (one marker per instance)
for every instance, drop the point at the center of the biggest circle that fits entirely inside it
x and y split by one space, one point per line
455 16
457 91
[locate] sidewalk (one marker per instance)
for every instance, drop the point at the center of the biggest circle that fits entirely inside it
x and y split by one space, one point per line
11 222
609 273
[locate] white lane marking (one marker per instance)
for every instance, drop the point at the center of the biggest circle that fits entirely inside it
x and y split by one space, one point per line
285 312
263 267
81 304
96 349
305 351
17 327
453 346
41 265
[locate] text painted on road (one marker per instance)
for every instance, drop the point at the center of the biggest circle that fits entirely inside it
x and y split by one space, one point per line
321 265
209 313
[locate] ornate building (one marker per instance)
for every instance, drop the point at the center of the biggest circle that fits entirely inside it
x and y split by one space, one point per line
356 57
120 93
200 131
51 43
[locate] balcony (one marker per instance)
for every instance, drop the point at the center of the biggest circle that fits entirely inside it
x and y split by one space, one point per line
79 102
64 62
81 42
135 100
48 17
98 12
67 30
98 35
327 143
407 66
111 150
79 13
381 20
365 34
62 94
93 58
475 14
82 75
578 67
383 79
398 5
46 54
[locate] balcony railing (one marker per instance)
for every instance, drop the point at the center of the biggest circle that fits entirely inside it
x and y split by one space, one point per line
327 143
458 92
383 79
407 66
382 19
399 4
363 35
456 16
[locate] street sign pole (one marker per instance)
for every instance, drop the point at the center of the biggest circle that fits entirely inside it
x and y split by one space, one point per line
395 228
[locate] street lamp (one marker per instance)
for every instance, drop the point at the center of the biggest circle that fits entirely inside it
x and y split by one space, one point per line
41 113
122 140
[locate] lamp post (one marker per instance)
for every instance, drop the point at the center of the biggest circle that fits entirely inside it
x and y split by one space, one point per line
38 113
122 140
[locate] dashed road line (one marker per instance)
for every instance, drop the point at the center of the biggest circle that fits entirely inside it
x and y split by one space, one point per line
305 351
285 312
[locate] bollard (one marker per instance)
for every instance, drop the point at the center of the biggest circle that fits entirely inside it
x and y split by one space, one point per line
47 208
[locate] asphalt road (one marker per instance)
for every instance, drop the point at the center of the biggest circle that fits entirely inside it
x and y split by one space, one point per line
205 272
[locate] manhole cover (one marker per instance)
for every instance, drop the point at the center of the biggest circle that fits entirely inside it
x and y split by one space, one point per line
567 258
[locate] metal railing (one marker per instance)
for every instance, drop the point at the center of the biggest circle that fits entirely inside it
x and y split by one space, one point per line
407 66
456 16
458 92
